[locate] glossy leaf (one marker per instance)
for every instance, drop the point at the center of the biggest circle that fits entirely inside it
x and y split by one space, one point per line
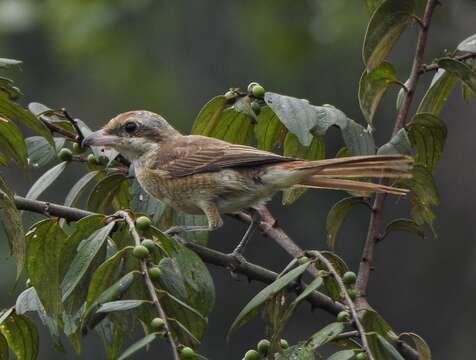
421 346
269 131
87 250
253 307
325 335
12 143
45 180
460 69
138 346
468 45
78 188
372 87
315 284
389 349
427 134
9 63
404 225
296 352
235 127
40 151
43 260
12 225
142 202
209 116
373 322
336 216
342 355
440 88
386 25
104 192
21 336
398 144
120 305
199 237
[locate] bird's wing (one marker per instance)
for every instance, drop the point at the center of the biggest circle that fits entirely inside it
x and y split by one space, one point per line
201 154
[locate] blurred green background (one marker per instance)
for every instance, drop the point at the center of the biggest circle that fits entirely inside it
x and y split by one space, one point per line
100 58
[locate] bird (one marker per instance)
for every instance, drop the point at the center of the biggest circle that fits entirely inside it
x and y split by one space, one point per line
203 175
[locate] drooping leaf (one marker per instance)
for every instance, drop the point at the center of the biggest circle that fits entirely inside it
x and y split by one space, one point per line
293 148
87 250
372 87
105 191
43 258
171 278
404 225
199 237
142 202
315 284
112 336
253 307
3 348
296 352
460 69
9 63
12 224
421 346
427 134
373 322
398 144
21 336
385 27
45 180
120 305
40 151
440 88
342 355
208 117
388 349
138 346
468 45
9 87
468 94
269 131
330 282
78 188
183 331
325 335
336 216
12 143
401 94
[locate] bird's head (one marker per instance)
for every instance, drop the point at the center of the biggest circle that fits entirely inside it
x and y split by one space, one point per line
133 133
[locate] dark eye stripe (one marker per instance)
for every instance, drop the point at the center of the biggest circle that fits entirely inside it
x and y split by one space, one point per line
130 127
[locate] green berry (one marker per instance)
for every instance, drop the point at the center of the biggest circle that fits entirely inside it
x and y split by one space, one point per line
352 294
258 91
263 346
303 260
349 278
361 356
187 353
154 273
256 107
157 324
65 154
149 244
251 355
251 86
78 149
28 283
140 252
343 316
92 160
143 223
284 344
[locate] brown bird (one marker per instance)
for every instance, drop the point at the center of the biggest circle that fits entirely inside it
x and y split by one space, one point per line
197 174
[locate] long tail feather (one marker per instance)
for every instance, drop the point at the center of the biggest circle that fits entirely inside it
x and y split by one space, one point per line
350 185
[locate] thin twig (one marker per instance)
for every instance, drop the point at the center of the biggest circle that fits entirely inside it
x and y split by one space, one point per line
74 123
150 286
434 66
348 300
58 129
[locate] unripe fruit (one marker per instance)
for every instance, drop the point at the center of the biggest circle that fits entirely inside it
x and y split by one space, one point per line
303 260
157 324
258 91
251 355
143 223
284 344
361 356
140 252
187 353
256 107
263 346
154 273
349 278
78 149
92 160
65 154
149 244
343 316
352 294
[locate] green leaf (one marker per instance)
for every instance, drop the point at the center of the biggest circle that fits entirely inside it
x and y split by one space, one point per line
142 202
373 322
45 180
337 215
441 86
427 134
404 225
398 144
421 346
120 305
209 116
385 27
460 69
87 250
21 336
293 148
183 331
198 237
325 335
401 94
112 335
12 225
171 279
184 305
372 5
12 143
388 349
342 355
253 307
11 109
468 45
235 127
3 348
296 352
315 284
78 188
372 87
9 63
43 258
104 192
468 94
40 151
269 131
137 346
330 283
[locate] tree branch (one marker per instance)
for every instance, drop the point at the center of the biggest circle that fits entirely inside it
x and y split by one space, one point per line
375 218
434 66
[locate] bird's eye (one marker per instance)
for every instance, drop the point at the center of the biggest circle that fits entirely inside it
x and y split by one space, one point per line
130 127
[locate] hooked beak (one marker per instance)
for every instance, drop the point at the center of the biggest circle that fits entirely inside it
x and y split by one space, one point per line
100 138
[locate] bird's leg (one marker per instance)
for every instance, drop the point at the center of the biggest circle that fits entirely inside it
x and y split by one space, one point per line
214 222
237 253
